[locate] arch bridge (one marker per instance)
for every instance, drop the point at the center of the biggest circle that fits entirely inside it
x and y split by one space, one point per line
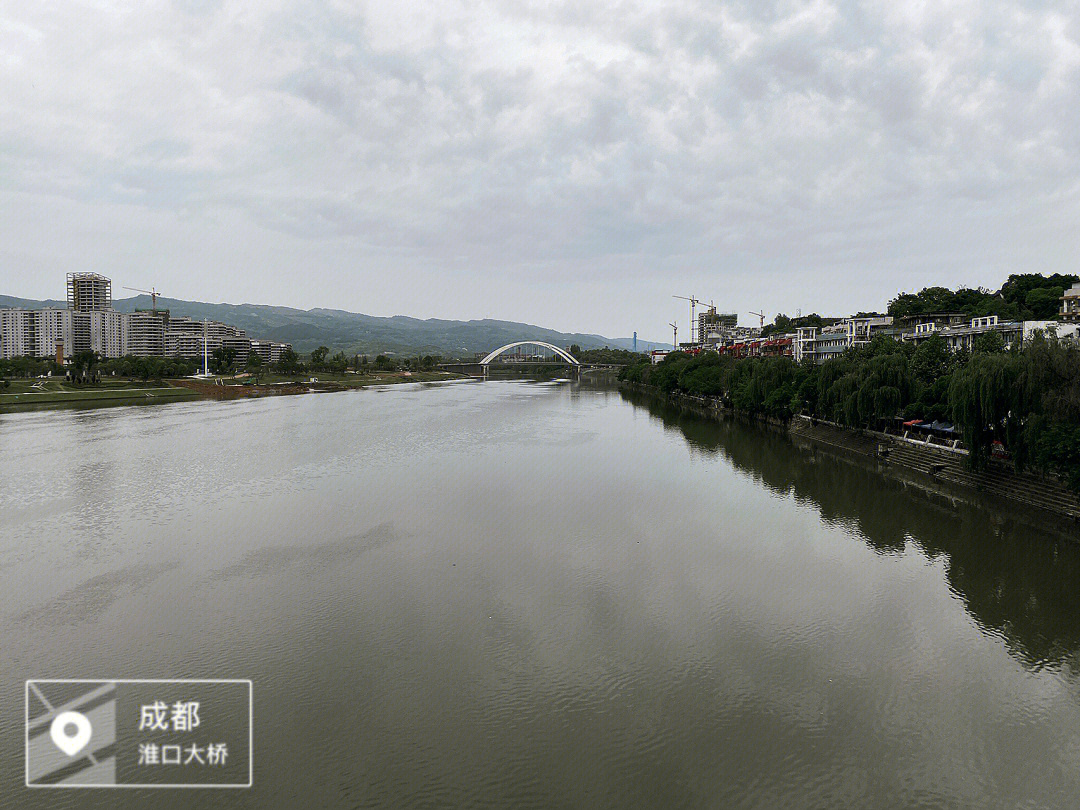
565 355
480 368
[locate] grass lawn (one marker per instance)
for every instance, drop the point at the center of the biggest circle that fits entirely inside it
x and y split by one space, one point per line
56 392
53 391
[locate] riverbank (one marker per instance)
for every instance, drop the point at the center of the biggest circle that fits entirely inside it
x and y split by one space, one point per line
55 393
941 471
242 386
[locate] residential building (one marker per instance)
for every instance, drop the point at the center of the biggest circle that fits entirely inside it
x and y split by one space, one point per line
776 346
269 351
963 337
804 346
91 324
1012 332
772 346
1070 304
715 323
35 332
909 323
184 337
860 331
832 341
101 331
95 325
144 332
829 342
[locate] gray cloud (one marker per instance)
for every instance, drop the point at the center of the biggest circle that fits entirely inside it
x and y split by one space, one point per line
567 163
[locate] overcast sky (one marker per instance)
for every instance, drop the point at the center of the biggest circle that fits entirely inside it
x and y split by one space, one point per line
571 164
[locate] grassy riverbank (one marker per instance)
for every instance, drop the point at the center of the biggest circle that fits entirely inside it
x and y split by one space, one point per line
18 394
23 394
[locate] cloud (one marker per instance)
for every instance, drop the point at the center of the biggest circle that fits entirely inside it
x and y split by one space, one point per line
787 154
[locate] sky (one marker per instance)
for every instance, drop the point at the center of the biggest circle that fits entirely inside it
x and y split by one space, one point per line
571 164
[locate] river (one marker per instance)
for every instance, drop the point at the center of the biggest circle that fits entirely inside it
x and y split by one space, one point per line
514 594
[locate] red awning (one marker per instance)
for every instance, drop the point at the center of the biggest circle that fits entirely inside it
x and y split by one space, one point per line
913 422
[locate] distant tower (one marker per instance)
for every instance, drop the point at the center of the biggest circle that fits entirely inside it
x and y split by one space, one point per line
635 341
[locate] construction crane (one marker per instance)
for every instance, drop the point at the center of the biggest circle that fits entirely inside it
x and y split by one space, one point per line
762 316
693 303
674 336
152 292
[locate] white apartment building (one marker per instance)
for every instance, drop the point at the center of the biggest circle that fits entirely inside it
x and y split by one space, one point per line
144 333
184 337
1070 304
828 342
804 346
963 337
860 331
269 351
35 332
91 324
100 331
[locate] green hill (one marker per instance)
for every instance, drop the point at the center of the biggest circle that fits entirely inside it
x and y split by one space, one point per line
353 332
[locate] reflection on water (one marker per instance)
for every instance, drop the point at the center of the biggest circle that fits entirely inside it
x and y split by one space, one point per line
511 594
1013 580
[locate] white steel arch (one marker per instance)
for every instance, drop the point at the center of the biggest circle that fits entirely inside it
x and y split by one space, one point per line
565 355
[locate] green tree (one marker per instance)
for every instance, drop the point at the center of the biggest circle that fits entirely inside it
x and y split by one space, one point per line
222 359
84 365
990 398
289 363
318 357
254 365
988 343
337 364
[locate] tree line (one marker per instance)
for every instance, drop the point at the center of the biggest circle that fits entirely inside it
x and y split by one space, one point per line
1023 297
89 367
321 361
607 356
1028 397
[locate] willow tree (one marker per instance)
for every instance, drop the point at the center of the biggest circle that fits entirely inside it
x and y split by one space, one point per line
991 397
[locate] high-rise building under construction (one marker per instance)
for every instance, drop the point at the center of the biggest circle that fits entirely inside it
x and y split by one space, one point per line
713 321
88 292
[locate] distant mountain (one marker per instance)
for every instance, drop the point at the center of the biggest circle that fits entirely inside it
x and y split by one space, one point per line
353 332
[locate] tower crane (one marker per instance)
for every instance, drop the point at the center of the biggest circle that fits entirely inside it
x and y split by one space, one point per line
152 292
761 315
693 303
674 336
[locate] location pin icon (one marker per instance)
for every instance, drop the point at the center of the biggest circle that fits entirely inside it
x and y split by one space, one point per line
70 744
